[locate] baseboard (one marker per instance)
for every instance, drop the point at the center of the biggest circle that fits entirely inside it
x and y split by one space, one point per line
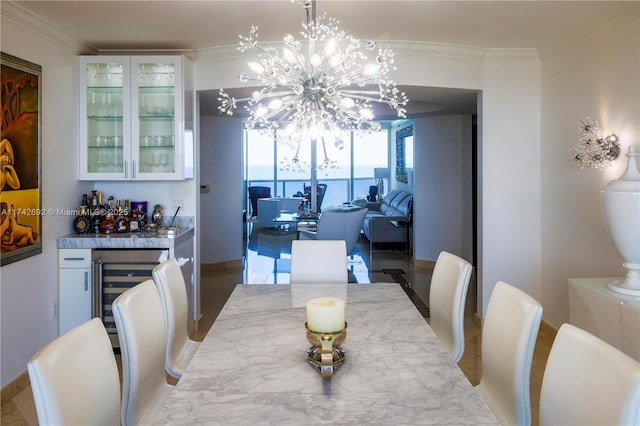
547 329
427 265
14 387
219 266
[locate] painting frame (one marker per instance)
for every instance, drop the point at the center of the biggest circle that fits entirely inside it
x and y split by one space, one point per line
20 159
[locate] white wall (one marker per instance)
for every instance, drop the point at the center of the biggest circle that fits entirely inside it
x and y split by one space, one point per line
597 75
509 247
29 288
221 169
443 205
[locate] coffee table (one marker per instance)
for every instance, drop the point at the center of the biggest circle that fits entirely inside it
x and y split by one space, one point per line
294 220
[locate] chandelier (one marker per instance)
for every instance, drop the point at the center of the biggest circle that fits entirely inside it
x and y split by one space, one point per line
594 150
315 90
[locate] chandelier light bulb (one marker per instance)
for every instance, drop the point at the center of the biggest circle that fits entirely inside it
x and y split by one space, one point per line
275 104
347 103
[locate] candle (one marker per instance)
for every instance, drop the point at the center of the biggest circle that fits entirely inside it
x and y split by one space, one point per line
325 314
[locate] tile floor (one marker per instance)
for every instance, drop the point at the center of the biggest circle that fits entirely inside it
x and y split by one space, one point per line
267 261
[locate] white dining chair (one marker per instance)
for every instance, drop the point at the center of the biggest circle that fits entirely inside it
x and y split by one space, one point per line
319 261
74 379
447 297
172 289
139 319
588 382
508 339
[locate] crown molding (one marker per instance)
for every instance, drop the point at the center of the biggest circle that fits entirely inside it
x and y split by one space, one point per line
524 55
400 48
22 17
617 14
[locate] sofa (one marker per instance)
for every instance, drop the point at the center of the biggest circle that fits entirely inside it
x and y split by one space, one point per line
377 227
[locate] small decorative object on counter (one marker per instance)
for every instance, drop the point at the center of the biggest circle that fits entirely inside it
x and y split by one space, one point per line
156 217
141 207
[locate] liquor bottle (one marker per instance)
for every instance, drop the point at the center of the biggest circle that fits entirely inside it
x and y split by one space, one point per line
134 222
108 225
94 199
98 211
122 224
82 222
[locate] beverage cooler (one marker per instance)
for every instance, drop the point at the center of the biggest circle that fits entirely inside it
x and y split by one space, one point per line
115 271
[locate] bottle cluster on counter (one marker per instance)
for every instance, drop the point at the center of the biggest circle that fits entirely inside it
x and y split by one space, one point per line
110 217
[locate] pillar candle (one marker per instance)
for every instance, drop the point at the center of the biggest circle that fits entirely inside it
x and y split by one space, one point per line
325 314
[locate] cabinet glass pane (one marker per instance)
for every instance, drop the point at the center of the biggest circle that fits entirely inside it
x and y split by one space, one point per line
156 113
104 117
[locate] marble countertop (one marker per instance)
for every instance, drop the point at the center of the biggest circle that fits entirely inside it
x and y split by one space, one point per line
251 368
126 241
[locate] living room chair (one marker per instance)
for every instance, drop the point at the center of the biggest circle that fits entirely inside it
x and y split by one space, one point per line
447 297
339 223
139 319
74 379
321 190
256 192
588 381
318 262
172 289
508 339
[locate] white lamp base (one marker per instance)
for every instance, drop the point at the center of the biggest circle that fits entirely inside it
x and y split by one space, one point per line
631 284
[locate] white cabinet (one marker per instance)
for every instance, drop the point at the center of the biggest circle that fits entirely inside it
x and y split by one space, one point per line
74 291
135 117
613 317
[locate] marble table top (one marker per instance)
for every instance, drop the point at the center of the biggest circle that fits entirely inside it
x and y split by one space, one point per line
251 368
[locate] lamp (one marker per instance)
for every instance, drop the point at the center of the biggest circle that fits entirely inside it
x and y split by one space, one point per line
312 92
594 150
380 173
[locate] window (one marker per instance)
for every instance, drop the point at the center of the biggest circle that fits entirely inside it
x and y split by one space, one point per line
269 163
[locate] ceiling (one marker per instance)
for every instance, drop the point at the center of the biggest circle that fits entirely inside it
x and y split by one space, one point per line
195 25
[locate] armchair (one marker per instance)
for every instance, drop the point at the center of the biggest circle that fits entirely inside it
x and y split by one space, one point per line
338 223
321 189
256 192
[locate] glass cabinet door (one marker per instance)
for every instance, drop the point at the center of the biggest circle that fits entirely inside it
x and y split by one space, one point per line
157 111
104 117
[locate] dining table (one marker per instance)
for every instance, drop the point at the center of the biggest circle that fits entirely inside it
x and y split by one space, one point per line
252 369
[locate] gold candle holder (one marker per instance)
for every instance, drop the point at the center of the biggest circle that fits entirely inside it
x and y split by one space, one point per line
326 355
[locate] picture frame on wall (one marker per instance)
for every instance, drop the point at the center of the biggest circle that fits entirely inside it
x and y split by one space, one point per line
20 160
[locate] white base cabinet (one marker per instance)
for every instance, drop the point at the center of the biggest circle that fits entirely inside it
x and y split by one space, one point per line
75 290
613 317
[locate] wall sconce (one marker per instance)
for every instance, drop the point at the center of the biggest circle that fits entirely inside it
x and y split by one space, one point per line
594 150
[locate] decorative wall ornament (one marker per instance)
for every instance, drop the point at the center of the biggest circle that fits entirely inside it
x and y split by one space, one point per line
594 150
314 89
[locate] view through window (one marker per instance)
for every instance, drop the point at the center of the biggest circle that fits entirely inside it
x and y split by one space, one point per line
268 163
